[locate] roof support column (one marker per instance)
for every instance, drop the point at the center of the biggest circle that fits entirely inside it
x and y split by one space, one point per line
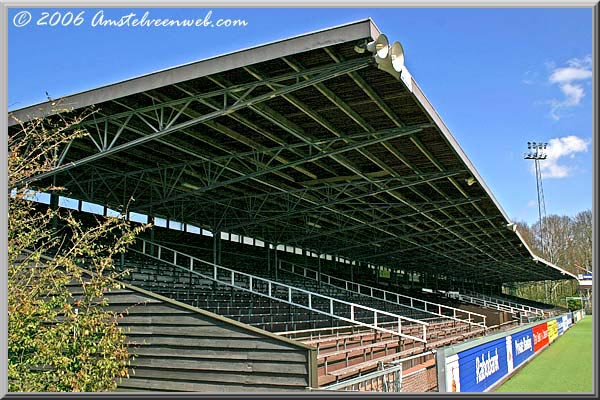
305 254
319 270
276 263
216 247
268 247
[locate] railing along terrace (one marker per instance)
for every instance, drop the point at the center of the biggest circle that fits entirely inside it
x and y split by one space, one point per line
342 310
509 303
492 304
472 318
385 380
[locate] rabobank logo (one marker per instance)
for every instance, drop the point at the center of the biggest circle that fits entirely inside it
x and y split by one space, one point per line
486 366
523 344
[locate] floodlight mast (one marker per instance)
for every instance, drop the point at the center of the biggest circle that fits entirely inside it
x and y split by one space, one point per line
537 153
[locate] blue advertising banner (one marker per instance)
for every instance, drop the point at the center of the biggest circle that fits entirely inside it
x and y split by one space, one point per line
482 366
566 322
561 327
522 343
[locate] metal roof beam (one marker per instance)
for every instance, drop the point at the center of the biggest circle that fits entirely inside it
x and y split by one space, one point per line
374 244
317 118
331 96
352 66
398 122
296 131
445 204
243 89
256 128
441 167
332 202
384 136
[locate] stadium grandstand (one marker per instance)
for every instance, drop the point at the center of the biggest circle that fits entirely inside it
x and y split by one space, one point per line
315 224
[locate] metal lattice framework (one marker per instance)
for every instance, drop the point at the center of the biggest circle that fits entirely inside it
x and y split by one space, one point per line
303 142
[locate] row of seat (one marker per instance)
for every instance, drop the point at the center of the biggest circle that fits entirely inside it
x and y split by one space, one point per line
339 356
349 296
346 351
222 299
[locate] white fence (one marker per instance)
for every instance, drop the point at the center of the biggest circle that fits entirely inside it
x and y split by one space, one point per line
390 297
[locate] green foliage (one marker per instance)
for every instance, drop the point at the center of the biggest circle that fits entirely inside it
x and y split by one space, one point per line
61 336
574 304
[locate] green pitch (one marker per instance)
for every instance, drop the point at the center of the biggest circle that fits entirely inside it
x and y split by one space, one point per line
565 366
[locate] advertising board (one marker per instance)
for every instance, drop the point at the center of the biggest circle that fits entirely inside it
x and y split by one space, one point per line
482 366
561 324
509 354
452 374
540 336
552 330
522 346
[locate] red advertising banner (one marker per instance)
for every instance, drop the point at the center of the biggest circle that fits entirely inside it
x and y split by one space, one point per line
540 336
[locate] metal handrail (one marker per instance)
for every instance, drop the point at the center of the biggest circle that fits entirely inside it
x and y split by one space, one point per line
361 379
378 321
489 304
413 301
521 307
509 303
484 303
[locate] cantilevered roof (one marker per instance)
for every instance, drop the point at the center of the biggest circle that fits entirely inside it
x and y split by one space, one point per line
304 142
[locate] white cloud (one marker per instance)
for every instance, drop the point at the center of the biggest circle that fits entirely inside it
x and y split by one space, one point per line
577 69
573 94
529 78
570 74
585 62
560 148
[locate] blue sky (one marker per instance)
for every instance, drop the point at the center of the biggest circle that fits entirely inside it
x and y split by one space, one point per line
498 77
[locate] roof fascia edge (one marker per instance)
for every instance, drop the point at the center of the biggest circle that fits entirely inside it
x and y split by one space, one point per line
549 264
540 259
430 110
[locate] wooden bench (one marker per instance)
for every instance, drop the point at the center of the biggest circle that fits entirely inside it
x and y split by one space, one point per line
346 351
374 362
337 338
337 359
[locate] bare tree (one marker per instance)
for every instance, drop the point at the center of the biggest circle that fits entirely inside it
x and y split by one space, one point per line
567 244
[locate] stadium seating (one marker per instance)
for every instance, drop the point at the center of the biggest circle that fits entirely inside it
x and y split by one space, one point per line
343 350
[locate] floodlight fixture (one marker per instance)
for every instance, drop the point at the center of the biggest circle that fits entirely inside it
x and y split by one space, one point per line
536 154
